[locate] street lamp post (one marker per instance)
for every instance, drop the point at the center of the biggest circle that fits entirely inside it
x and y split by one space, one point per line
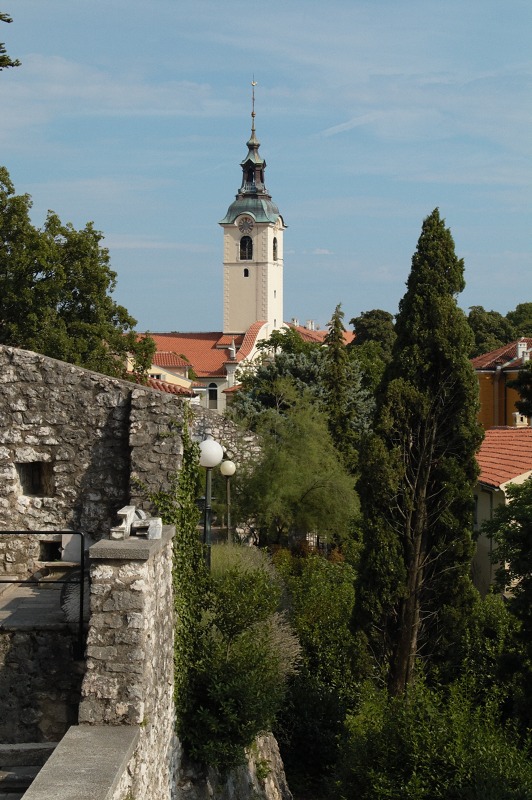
211 454
228 468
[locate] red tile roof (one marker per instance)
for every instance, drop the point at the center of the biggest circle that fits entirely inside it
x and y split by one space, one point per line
318 336
505 454
502 355
208 352
170 388
165 359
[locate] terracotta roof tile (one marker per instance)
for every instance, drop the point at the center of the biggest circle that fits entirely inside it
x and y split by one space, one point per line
318 336
166 359
250 337
170 388
502 355
207 352
505 454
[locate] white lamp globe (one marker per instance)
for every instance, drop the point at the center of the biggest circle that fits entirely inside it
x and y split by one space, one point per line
227 468
211 453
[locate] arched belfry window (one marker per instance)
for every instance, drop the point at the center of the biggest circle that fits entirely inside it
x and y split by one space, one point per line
275 248
213 395
246 248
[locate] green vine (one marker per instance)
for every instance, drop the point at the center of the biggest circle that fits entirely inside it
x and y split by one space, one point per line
177 506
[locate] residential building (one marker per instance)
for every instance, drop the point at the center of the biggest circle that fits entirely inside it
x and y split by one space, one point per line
494 371
505 457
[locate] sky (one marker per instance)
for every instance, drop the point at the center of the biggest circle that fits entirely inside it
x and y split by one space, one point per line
135 115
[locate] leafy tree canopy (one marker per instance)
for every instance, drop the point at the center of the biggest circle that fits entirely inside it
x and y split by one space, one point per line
300 484
375 326
523 384
521 319
490 329
511 532
55 292
5 60
286 340
329 375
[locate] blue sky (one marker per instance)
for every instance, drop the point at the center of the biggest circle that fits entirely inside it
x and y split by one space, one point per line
370 114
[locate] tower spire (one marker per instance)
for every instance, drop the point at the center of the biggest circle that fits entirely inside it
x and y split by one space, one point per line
253 84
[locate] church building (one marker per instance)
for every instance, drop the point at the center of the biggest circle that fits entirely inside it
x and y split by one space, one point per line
253 230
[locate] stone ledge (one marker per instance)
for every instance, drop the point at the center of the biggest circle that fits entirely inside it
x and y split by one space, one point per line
87 764
133 549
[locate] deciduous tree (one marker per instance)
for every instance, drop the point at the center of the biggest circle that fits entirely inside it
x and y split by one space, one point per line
55 292
5 60
375 326
300 484
521 319
490 329
523 384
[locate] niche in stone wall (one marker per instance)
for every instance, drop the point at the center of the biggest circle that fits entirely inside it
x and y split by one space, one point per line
36 478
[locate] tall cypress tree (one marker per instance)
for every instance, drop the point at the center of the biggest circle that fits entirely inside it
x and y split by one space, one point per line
419 470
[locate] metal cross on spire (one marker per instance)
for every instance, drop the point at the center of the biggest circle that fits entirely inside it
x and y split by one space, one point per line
253 84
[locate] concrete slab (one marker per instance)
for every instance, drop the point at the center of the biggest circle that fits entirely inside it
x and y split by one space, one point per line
86 765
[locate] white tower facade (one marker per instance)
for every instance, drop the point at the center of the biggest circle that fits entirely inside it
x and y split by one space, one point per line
253 251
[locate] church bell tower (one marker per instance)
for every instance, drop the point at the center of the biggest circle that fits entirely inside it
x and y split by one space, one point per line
253 249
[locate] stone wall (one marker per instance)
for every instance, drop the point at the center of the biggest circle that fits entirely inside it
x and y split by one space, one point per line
39 685
129 675
76 446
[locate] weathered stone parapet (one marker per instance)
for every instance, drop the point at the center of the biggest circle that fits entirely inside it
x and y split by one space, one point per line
90 763
129 677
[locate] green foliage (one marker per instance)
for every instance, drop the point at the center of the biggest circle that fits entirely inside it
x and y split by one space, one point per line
521 319
523 384
320 596
511 530
339 375
420 467
177 506
5 60
247 650
299 484
329 376
431 744
372 346
287 340
375 326
488 651
490 329
56 286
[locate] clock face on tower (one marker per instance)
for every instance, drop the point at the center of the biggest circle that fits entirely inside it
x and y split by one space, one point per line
245 225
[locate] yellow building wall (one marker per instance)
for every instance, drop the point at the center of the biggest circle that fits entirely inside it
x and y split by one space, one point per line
497 399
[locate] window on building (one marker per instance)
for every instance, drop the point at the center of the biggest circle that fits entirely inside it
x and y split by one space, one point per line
246 272
36 478
213 395
246 248
275 248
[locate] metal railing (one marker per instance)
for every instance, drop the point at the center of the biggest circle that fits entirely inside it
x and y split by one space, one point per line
81 581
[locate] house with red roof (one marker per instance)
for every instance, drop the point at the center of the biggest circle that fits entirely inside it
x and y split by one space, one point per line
494 370
505 457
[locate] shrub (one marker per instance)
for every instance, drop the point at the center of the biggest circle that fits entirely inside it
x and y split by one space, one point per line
247 650
431 745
